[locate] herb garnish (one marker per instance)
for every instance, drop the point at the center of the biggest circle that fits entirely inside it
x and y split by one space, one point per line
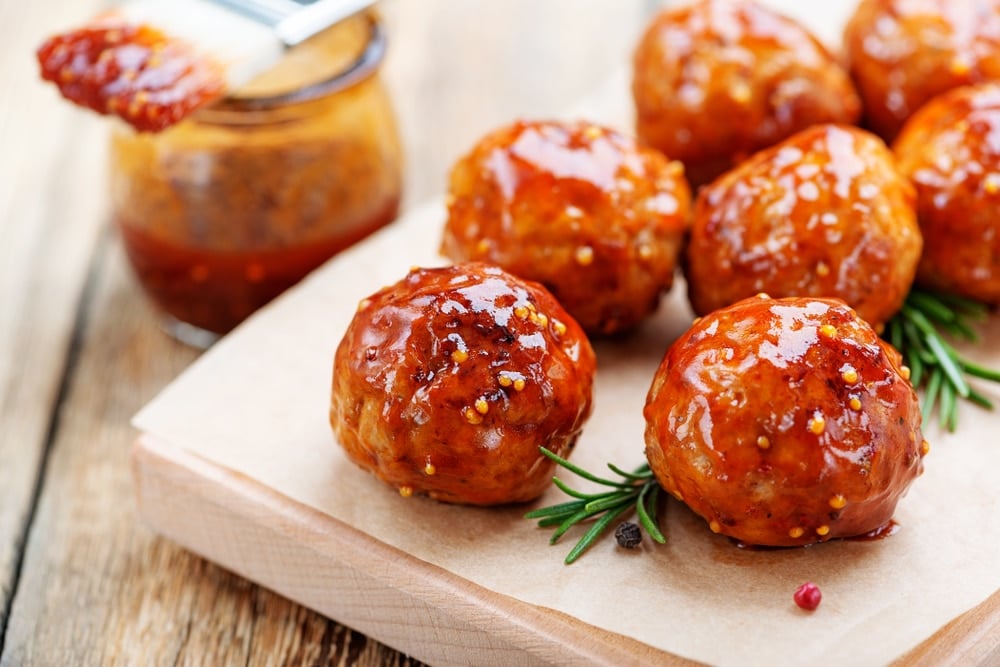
637 491
916 331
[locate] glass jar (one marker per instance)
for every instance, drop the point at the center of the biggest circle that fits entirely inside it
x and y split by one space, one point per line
223 212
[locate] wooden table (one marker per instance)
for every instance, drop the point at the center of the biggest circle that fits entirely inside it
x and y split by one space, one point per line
81 581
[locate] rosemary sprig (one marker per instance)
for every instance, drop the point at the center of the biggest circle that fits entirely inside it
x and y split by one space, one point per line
918 330
636 490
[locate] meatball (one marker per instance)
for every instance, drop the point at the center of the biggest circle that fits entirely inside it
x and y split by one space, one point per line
448 382
582 209
901 53
718 80
824 213
950 149
783 422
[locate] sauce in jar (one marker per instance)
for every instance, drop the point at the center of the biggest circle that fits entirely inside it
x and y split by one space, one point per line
222 212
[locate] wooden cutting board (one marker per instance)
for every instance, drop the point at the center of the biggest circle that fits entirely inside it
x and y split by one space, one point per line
403 601
345 574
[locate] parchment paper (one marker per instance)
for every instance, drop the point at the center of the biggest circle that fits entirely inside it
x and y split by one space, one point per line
257 403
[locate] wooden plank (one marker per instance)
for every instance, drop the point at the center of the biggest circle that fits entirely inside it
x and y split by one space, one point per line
97 587
94 586
51 209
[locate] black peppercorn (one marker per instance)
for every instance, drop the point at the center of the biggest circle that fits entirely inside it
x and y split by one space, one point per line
628 535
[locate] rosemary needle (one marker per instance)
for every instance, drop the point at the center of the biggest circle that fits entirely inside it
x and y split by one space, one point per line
918 331
636 490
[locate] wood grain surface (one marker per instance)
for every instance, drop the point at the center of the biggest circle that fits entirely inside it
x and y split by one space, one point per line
51 221
81 582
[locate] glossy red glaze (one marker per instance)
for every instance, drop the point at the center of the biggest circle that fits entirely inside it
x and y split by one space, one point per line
824 213
784 422
717 80
448 382
902 53
950 149
133 71
582 209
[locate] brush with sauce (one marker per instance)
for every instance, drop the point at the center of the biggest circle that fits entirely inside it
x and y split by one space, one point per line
154 63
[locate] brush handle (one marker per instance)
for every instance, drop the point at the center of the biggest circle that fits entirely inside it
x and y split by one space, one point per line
313 18
294 22
268 12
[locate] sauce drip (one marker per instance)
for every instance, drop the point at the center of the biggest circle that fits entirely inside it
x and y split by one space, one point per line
886 530
133 71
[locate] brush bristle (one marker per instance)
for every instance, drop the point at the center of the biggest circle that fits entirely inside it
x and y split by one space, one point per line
244 47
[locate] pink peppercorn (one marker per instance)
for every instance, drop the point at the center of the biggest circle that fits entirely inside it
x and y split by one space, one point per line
808 596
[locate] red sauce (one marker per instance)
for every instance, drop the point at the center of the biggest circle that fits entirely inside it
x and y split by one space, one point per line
134 71
887 530
746 546
216 289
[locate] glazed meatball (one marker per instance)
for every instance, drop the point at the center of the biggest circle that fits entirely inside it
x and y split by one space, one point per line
783 422
902 53
718 80
950 149
582 209
448 382
824 213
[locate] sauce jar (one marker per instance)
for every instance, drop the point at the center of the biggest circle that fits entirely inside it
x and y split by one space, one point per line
224 211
